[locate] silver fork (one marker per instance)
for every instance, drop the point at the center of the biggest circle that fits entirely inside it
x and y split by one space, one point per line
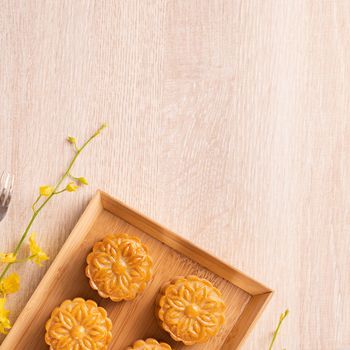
6 186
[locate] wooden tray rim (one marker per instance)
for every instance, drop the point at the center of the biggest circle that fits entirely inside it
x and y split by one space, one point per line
260 294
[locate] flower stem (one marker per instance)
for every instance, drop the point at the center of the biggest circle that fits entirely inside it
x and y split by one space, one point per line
74 178
58 192
37 211
36 201
282 317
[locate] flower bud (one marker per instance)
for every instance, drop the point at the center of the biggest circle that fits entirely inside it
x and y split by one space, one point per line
72 140
103 126
45 190
83 180
71 187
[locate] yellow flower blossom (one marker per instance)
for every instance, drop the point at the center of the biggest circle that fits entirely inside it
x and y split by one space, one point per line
72 140
9 284
7 258
37 255
46 190
5 323
71 187
83 180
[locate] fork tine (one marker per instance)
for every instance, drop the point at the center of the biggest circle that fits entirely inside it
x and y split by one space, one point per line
9 192
7 187
8 200
3 187
3 179
2 196
12 183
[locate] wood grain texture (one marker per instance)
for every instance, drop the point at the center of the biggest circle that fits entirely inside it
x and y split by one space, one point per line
228 122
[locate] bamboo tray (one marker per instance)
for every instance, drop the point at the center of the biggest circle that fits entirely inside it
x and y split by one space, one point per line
172 256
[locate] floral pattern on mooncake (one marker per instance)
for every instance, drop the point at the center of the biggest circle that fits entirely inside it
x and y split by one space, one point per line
119 267
190 309
78 325
149 344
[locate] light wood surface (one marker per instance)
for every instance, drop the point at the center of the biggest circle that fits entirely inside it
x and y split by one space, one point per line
229 122
245 298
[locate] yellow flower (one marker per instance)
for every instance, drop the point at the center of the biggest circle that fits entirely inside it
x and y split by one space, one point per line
72 140
10 284
71 187
7 258
37 255
46 190
83 180
4 317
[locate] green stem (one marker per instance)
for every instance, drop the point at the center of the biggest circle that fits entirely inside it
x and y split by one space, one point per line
73 177
36 212
20 243
58 192
36 201
282 317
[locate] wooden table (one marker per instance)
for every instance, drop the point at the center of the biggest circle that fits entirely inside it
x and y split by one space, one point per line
229 122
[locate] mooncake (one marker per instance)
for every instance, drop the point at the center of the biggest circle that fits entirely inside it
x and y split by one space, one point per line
78 324
149 344
119 267
190 309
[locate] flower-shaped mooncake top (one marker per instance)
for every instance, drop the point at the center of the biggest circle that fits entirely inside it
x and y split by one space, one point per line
149 344
191 310
119 267
78 324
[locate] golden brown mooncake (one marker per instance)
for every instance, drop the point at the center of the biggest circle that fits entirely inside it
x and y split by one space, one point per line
78 324
190 309
149 344
119 267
